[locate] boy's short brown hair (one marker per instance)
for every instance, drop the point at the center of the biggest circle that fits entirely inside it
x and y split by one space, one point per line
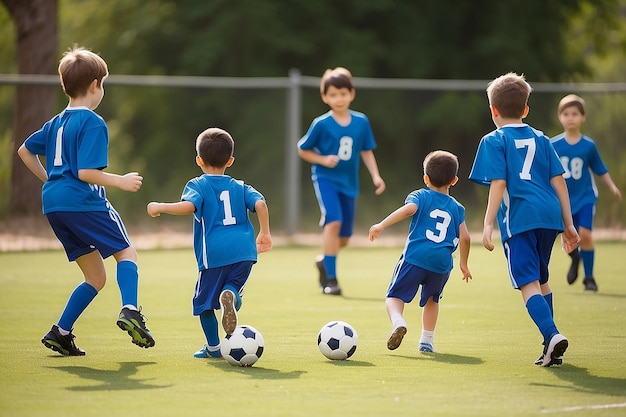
78 68
215 146
441 167
509 95
572 100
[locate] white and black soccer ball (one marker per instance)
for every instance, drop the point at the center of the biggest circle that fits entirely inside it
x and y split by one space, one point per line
243 347
337 340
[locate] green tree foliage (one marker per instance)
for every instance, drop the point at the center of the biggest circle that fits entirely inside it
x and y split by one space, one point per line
153 129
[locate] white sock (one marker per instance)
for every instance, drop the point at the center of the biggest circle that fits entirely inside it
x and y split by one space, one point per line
427 336
130 307
397 320
63 331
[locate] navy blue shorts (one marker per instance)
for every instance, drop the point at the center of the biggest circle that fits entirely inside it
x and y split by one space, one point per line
584 216
211 282
407 278
335 206
81 233
528 256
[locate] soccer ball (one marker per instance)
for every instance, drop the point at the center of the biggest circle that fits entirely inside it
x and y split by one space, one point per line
337 340
243 347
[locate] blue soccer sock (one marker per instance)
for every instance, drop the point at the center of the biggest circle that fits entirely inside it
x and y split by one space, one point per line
128 281
330 264
548 298
539 311
208 321
588 257
80 298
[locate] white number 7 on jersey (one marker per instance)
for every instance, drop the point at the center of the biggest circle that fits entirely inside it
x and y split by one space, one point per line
530 155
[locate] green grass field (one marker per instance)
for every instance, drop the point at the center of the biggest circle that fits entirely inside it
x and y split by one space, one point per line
485 341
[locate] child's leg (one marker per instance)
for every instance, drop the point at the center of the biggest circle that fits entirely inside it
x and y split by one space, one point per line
395 308
208 321
539 310
331 246
95 277
429 321
546 290
128 277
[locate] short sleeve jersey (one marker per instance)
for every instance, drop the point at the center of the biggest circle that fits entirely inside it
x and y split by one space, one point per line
525 158
327 137
223 233
434 230
580 161
75 139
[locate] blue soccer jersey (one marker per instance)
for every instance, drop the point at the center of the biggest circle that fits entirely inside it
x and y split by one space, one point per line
75 139
525 159
223 233
434 230
580 161
327 137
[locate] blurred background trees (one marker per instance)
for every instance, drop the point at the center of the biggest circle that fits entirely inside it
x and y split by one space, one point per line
153 129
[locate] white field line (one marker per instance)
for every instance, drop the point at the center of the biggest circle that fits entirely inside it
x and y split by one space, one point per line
583 407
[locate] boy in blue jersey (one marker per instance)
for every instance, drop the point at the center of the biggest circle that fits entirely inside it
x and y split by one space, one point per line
528 194
75 144
581 159
437 228
224 241
334 144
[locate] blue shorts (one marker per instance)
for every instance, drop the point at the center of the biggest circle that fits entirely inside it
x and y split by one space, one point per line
584 216
407 279
528 256
335 206
81 233
212 281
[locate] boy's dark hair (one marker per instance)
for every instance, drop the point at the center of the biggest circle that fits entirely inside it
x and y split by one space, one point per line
572 100
215 146
509 95
337 79
78 68
441 167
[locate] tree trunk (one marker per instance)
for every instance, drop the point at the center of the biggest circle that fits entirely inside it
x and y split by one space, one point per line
36 27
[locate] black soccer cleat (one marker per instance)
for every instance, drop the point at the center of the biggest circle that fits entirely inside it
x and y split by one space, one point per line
133 322
323 277
572 274
63 344
332 287
590 284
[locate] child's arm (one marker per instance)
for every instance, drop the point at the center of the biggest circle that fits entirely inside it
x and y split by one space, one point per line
496 192
464 249
370 162
570 236
128 182
606 178
400 214
264 238
312 157
33 163
182 207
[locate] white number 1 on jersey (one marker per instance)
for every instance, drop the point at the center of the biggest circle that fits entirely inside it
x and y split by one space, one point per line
229 219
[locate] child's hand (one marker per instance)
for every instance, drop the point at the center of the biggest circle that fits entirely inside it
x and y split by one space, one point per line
618 194
380 185
263 242
487 231
570 239
131 181
330 161
467 275
375 231
153 209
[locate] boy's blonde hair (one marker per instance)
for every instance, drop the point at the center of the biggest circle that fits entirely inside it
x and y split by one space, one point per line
78 68
509 95
572 100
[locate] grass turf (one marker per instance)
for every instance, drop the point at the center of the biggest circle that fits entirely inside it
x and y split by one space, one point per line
485 342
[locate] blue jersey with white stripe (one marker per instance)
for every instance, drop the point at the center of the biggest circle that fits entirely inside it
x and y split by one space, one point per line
223 233
434 230
526 160
75 139
580 161
327 137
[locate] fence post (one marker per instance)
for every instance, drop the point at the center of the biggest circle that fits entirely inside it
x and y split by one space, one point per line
292 168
